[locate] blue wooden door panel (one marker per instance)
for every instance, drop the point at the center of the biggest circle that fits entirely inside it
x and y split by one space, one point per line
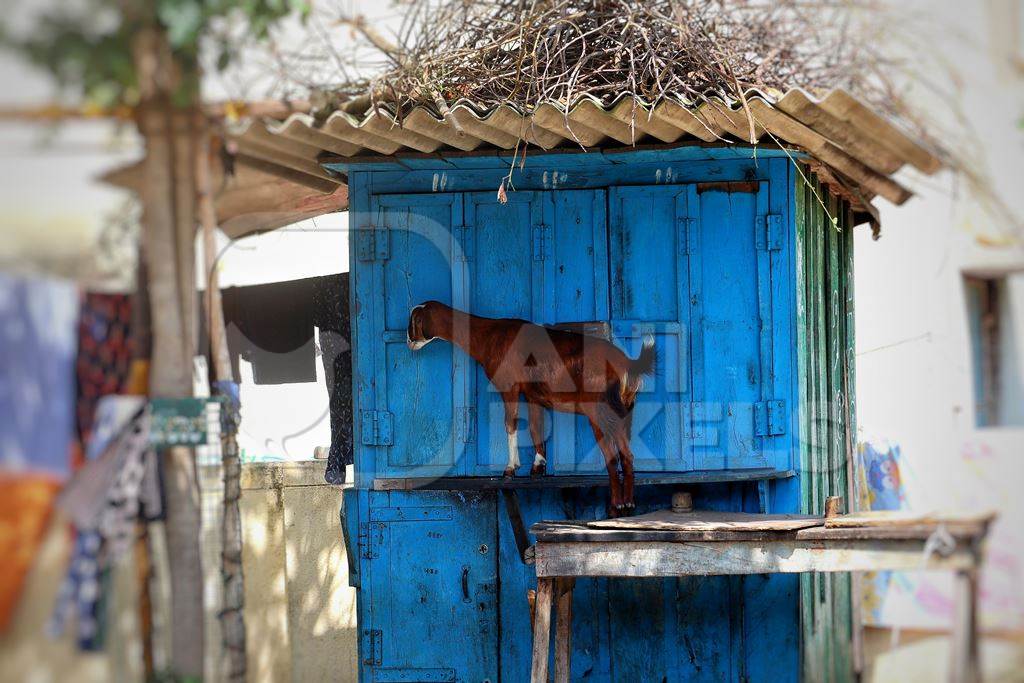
576 261
503 282
649 229
575 268
541 257
730 358
433 577
419 389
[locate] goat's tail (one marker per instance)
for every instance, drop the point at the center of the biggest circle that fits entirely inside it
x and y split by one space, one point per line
639 367
643 365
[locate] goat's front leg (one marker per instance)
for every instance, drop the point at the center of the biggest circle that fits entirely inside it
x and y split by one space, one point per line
536 414
511 401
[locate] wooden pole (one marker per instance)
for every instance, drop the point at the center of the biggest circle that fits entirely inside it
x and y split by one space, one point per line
232 612
563 630
965 666
542 630
171 366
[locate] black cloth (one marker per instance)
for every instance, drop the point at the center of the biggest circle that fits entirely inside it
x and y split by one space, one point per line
331 316
271 326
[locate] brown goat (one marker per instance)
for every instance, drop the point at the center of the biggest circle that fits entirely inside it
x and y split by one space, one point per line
550 368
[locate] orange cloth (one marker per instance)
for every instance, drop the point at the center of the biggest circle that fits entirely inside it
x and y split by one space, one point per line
25 506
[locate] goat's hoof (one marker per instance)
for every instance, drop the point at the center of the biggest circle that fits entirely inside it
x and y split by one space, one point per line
509 473
537 471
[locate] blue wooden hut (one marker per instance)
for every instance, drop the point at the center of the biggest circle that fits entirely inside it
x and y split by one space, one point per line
619 221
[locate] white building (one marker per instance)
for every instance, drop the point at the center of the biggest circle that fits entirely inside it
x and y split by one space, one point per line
940 311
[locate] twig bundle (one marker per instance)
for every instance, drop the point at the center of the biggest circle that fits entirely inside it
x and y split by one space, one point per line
523 52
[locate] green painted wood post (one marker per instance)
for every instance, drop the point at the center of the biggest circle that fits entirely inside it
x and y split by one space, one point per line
824 371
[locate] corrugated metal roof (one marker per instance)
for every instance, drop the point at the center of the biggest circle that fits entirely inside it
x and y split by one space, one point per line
858 144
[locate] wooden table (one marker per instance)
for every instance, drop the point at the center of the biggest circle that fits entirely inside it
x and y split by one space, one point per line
569 549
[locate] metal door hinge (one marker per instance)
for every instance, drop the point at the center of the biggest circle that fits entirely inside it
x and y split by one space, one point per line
373 244
692 421
769 233
371 536
371 647
376 428
465 426
770 418
462 249
688 240
541 242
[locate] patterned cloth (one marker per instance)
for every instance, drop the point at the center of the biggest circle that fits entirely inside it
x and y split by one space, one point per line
104 500
80 594
104 355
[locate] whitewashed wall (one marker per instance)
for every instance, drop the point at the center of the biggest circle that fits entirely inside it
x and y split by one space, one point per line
914 375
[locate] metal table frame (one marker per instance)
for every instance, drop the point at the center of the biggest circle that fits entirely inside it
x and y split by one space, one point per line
567 550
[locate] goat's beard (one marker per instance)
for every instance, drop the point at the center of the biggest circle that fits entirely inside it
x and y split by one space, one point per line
417 345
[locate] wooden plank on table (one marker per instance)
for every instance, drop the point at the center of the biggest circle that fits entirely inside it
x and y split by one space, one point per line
894 533
653 559
581 532
709 520
892 518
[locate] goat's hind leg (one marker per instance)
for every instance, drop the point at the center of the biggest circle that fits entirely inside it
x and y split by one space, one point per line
511 423
611 463
536 415
626 459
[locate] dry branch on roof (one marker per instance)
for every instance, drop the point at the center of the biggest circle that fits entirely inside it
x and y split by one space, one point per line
519 53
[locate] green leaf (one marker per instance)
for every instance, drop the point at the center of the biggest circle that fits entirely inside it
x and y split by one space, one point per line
183 20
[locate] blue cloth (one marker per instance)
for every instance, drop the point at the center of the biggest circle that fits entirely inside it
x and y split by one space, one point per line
38 323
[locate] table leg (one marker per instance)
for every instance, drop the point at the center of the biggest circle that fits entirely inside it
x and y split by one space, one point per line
964 664
542 630
563 630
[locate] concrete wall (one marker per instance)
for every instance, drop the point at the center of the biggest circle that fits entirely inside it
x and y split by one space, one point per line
300 612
